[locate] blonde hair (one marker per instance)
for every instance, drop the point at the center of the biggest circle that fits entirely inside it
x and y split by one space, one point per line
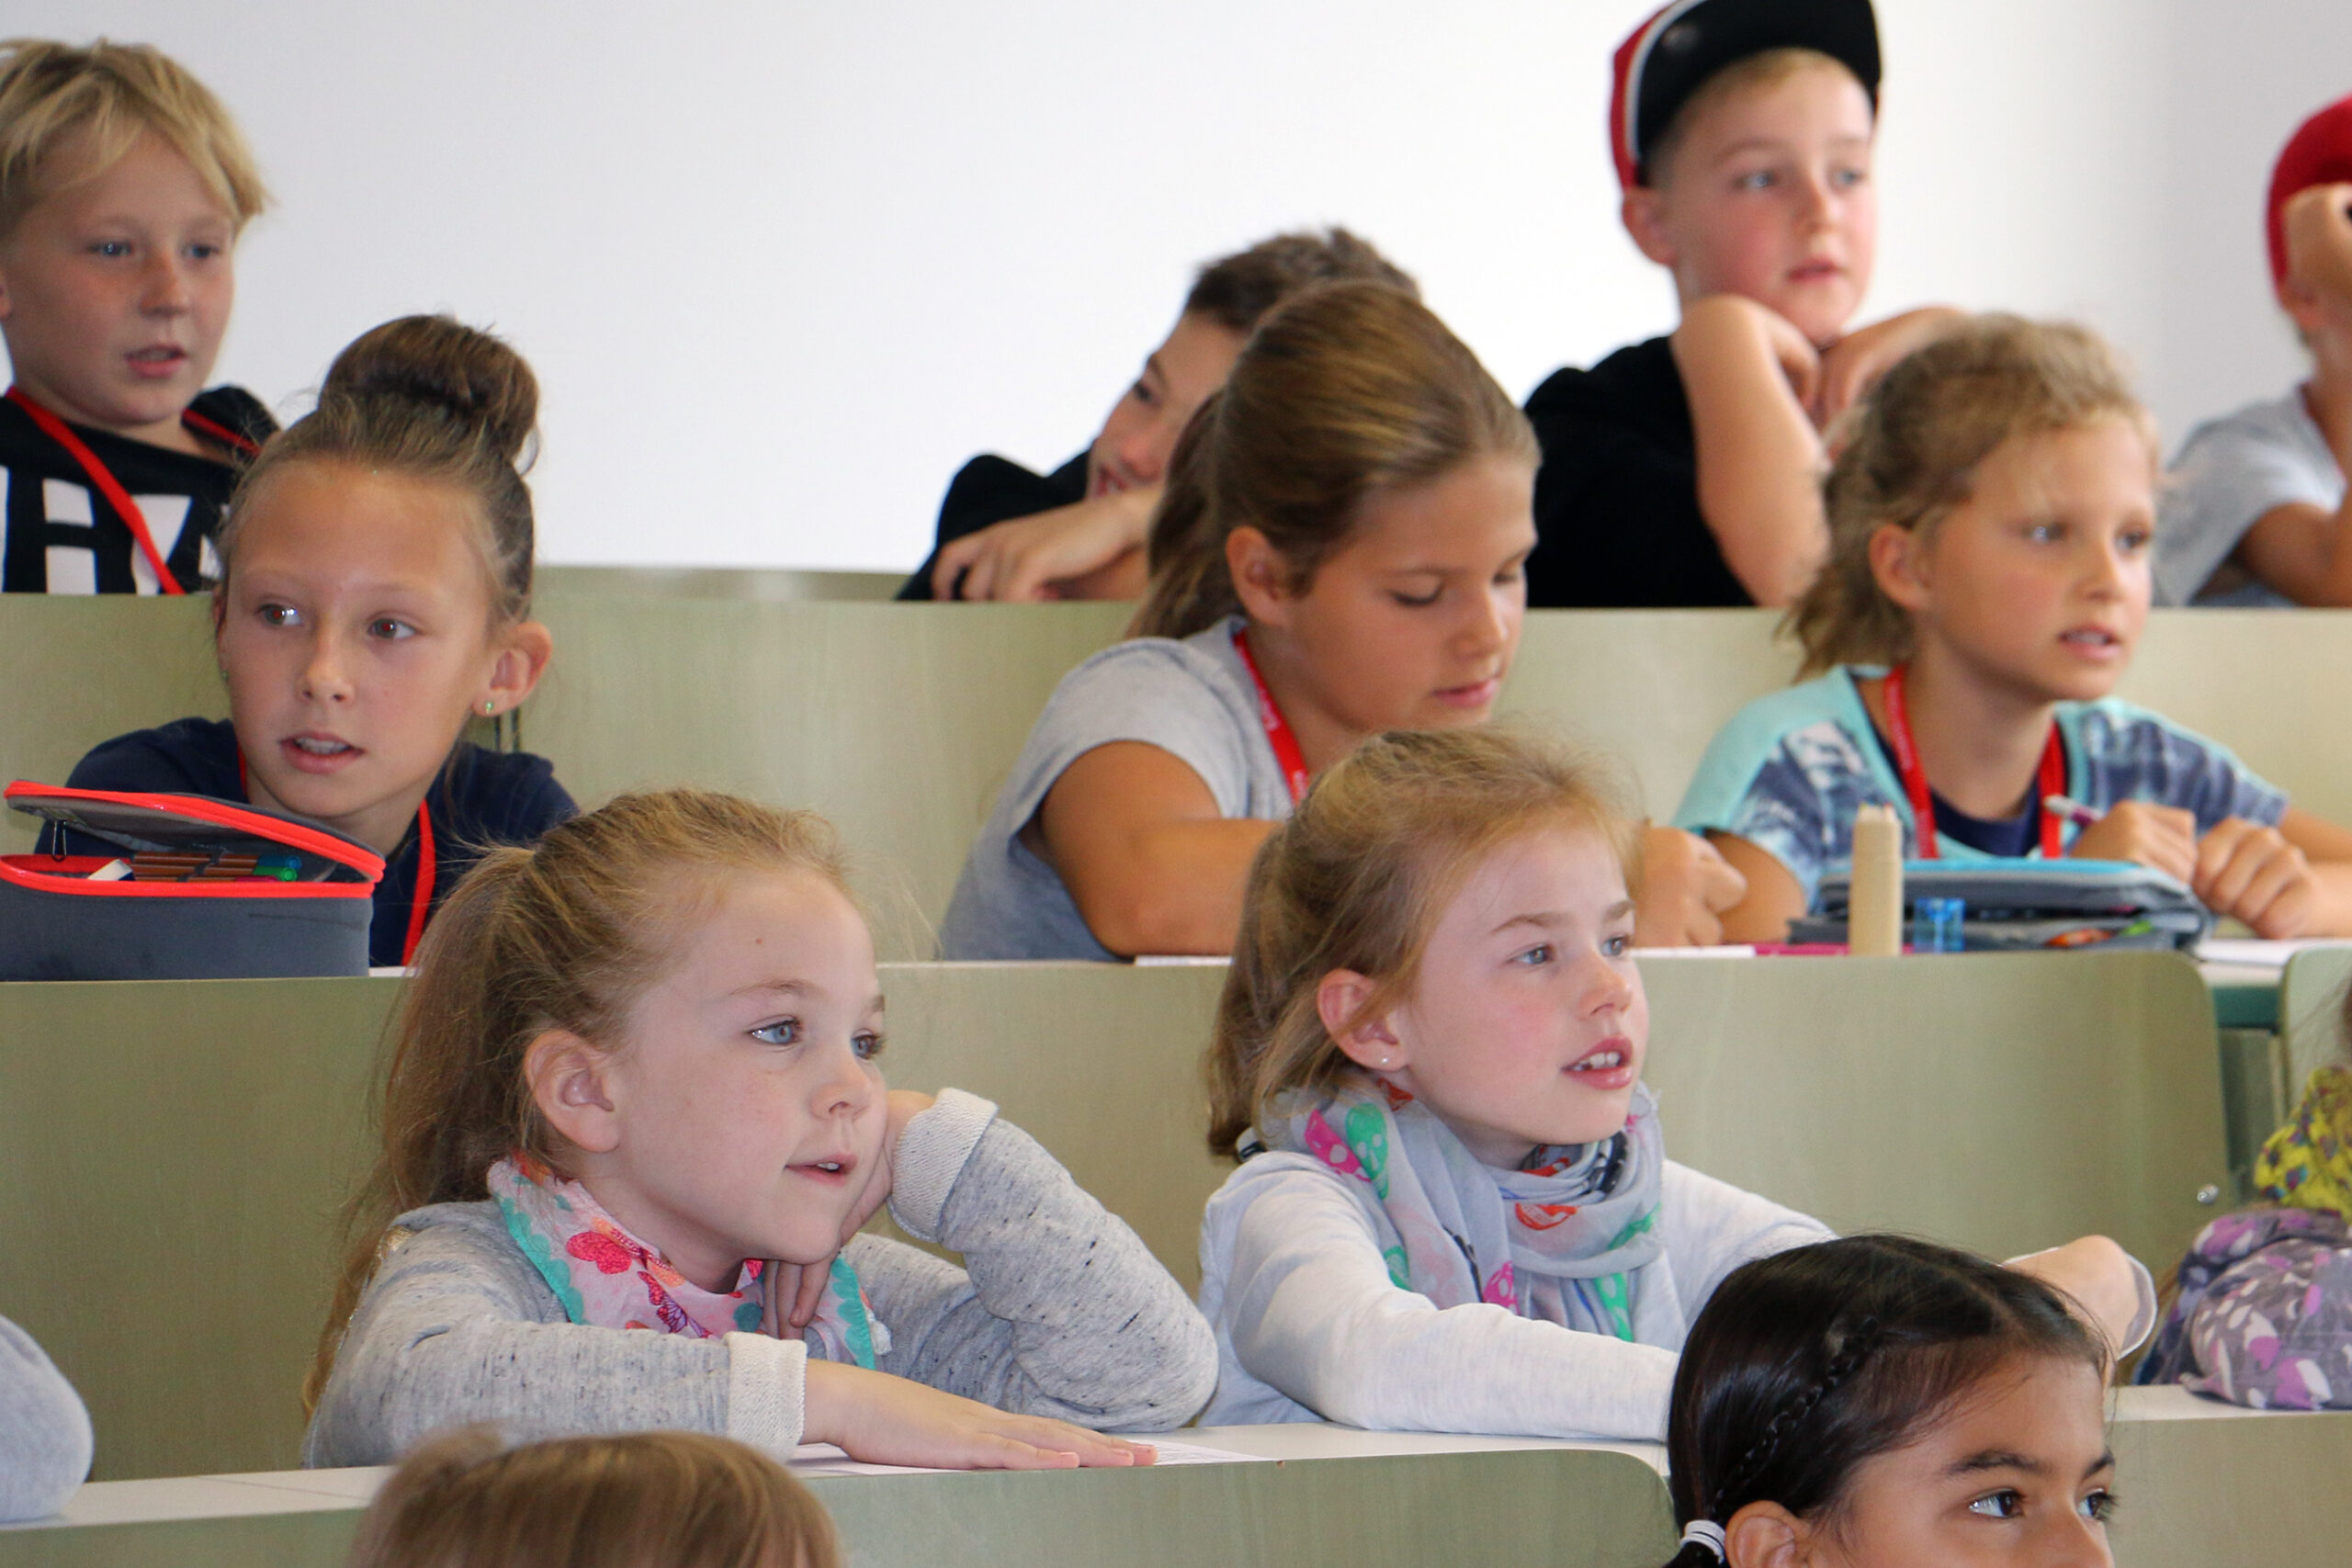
1348 390
99 101
1914 451
564 935
1357 878
1768 69
435 400
467 1499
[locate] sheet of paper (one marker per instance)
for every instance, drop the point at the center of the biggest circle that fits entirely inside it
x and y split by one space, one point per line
824 1458
2268 955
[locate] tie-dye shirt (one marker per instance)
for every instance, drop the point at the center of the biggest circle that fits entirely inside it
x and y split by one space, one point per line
1788 770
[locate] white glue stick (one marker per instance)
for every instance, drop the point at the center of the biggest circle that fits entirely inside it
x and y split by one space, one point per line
1874 906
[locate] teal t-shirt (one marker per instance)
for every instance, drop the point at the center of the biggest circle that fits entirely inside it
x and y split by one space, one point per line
1788 770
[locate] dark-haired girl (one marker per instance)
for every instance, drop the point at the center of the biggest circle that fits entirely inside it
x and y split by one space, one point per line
1882 1401
375 593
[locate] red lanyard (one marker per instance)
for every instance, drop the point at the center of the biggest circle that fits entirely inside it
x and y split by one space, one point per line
102 479
2052 779
419 906
1287 756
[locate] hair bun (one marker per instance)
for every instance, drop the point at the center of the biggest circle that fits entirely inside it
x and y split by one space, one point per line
440 362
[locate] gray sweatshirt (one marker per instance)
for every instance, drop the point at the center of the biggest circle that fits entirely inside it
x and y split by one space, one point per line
44 1432
1063 1312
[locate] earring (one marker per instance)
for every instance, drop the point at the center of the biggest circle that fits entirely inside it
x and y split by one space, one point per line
488 706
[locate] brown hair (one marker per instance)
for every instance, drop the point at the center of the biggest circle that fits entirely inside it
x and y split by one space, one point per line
98 101
1768 69
1914 450
1348 390
432 399
1359 875
565 935
1240 290
467 1499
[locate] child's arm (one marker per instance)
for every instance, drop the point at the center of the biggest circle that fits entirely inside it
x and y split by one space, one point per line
1851 366
1774 896
2288 881
2113 1286
1089 549
1059 1310
1751 379
1688 888
1150 862
1712 1228
1311 1311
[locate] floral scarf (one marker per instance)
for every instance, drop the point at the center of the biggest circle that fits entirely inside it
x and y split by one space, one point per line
607 1278
2307 1163
1563 1241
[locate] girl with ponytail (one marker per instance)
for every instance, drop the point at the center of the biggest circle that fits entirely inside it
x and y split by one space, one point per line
1882 1400
374 598
634 1088
1339 550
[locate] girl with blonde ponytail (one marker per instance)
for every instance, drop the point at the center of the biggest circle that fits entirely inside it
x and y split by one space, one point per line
634 1088
1339 550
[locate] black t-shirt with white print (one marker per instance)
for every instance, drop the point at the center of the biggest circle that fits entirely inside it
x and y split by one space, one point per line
62 536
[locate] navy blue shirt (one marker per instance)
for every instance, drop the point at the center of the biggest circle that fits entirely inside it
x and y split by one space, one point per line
481 799
991 490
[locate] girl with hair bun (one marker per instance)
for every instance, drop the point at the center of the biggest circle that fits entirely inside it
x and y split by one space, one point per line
374 597
1882 1400
1339 550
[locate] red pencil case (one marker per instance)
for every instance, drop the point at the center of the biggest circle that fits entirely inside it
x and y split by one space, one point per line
202 889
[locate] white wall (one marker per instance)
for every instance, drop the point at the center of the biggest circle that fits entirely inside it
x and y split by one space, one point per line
782 267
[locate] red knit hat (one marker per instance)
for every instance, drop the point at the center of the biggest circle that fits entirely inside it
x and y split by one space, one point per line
1671 55
2319 153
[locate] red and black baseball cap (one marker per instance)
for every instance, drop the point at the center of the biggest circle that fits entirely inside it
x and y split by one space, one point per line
2319 153
1670 56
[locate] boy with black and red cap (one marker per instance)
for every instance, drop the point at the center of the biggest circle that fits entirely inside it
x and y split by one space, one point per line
2257 511
1686 470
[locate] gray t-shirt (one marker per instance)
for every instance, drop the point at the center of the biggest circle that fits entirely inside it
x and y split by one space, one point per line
1192 699
44 1431
2231 471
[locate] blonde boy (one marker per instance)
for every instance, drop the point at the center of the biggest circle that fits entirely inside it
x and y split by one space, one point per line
2256 512
123 187
1686 470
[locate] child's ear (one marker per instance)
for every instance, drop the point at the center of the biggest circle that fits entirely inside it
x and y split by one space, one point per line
1644 214
1766 1535
1899 565
521 659
1368 1042
572 1085
2301 303
1261 576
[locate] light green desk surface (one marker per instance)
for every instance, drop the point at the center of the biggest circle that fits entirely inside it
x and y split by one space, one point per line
2205 1484
191 1141
1409 1503
772 583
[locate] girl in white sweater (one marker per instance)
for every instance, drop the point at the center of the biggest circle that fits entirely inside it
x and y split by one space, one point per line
1454 1211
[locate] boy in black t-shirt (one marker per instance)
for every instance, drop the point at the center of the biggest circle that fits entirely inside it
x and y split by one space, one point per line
123 187
1686 470
1078 532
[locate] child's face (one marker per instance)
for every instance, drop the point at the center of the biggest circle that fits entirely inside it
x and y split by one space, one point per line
749 1110
1528 1024
1412 623
2015 1478
354 633
1140 435
2038 581
114 292
1768 195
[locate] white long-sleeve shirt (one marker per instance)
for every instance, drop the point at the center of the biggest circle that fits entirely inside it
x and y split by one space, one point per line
1311 1327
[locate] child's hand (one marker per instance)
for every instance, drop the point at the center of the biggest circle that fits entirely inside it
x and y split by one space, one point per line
2164 836
2319 238
1851 366
883 1419
2098 1276
794 1290
1064 553
2253 874
1686 886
